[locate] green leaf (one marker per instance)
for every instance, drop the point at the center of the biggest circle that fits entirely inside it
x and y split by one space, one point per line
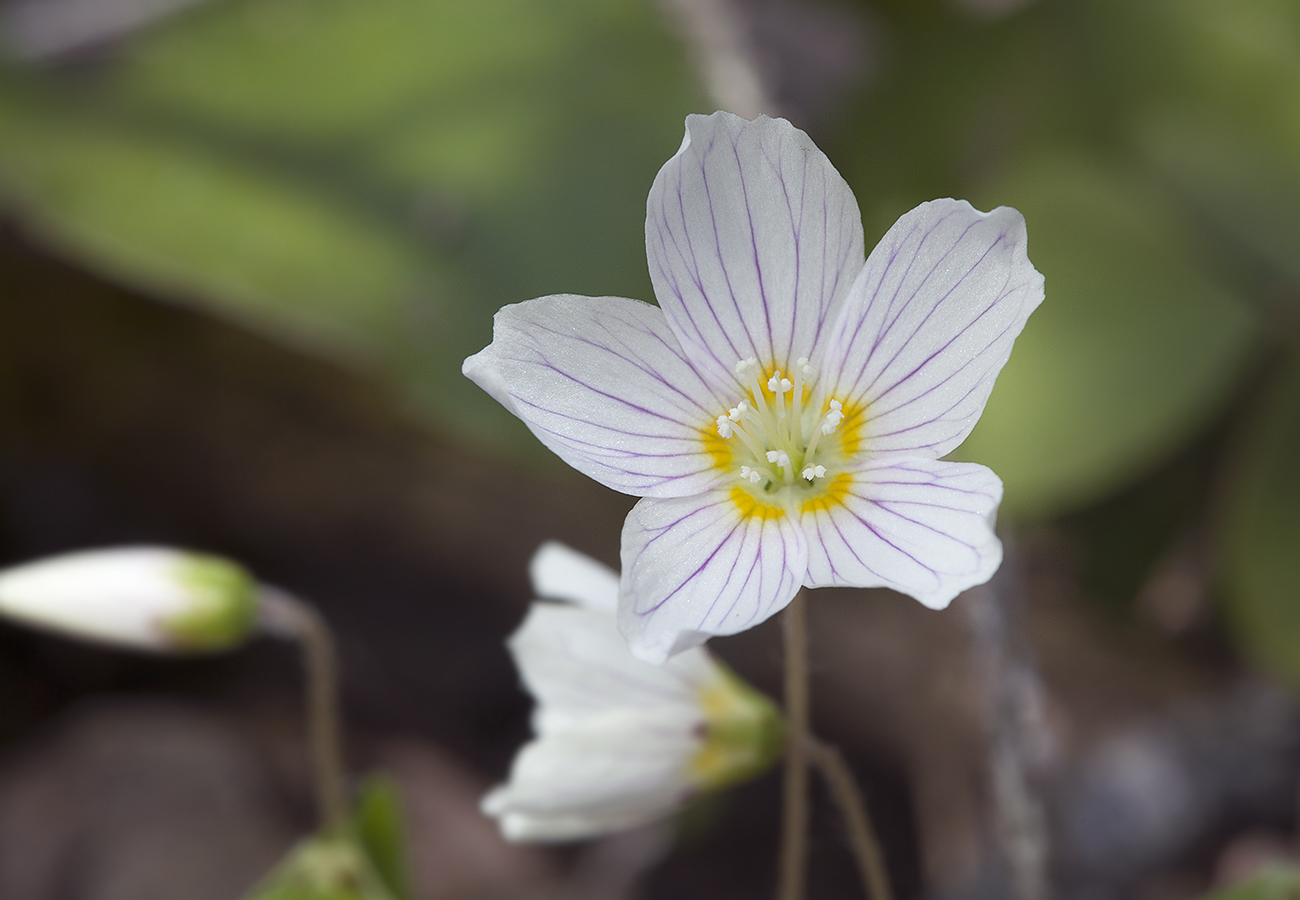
1261 532
381 832
1135 347
323 868
1248 188
1274 882
369 180
1221 122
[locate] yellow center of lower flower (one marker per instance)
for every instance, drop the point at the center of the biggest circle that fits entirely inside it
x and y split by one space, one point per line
785 444
741 736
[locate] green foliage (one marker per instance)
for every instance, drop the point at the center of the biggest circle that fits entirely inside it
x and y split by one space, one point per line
1274 882
1139 344
1262 532
372 181
1058 111
368 863
381 832
323 868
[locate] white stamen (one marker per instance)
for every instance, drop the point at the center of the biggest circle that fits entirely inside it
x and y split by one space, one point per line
753 476
724 427
807 370
780 457
744 365
812 472
778 385
738 411
832 419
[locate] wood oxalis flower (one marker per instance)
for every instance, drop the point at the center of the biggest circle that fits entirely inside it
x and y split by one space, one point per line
784 409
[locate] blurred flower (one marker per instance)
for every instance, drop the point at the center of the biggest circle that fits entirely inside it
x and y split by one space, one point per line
147 598
783 410
620 742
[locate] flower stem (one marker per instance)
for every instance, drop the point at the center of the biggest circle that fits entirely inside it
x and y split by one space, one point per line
862 837
794 822
287 617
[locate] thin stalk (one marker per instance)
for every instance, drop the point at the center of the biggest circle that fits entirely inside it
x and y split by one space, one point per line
794 822
862 837
287 617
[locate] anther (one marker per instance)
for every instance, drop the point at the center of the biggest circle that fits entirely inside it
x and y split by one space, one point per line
744 365
807 370
778 385
812 472
737 412
780 457
724 427
753 476
832 419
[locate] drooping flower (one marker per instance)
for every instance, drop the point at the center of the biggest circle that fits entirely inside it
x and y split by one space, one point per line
147 598
783 411
620 742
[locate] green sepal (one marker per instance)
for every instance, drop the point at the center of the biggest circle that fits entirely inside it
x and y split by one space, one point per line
744 733
222 607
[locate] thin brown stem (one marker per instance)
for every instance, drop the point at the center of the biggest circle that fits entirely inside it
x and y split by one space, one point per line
285 616
862 837
794 822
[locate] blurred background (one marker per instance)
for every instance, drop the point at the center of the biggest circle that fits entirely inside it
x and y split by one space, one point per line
245 245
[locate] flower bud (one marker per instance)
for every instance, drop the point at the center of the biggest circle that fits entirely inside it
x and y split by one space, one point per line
146 598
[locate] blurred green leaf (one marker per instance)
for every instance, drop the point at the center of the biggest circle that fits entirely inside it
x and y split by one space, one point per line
382 833
1155 150
1262 532
375 180
1275 882
1251 191
1135 347
1222 122
323 868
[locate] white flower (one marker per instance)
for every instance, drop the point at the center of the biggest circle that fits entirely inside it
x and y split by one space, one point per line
147 598
784 409
620 742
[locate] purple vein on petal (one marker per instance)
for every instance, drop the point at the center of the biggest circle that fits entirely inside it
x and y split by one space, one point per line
722 262
888 326
903 345
976 384
758 262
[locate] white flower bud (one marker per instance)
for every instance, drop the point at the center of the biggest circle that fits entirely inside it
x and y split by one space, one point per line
147 598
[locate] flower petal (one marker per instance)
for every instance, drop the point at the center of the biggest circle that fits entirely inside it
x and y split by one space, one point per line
930 323
577 664
600 775
700 566
919 526
603 383
754 241
562 573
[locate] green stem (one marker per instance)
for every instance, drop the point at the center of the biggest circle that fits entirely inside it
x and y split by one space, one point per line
794 822
285 616
862 837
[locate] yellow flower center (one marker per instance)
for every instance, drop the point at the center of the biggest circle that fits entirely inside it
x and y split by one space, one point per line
742 735
786 445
